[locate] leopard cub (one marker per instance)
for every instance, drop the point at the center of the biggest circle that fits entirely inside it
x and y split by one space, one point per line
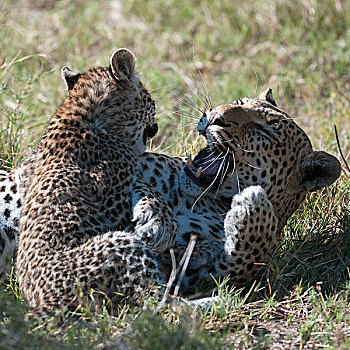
88 220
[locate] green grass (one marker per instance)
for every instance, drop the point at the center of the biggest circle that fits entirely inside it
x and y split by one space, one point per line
299 48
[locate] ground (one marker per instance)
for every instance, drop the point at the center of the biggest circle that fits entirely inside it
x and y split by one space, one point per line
300 49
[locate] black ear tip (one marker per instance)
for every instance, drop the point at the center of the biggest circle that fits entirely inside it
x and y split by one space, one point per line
69 77
68 73
268 97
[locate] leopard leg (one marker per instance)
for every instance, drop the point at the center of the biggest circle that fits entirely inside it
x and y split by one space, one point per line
10 210
251 233
116 263
8 243
155 222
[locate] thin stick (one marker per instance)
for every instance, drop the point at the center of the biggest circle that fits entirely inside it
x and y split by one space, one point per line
189 251
170 282
340 151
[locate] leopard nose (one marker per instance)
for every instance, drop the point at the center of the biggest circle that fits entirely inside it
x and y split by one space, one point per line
202 125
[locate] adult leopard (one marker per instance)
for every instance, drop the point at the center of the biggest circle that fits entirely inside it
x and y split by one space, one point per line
256 170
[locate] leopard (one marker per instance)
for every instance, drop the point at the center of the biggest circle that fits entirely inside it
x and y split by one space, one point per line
233 198
88 220
236 195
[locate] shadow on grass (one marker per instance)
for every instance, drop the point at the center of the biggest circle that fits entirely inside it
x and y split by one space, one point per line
16 332
316 253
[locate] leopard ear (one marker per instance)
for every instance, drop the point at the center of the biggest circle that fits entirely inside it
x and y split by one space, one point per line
69 77
267 96
123 65
317 170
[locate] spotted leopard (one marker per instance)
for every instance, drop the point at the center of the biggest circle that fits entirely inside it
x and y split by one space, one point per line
88 219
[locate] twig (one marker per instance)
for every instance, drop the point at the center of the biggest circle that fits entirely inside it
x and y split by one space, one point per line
187 254
339 148
170 281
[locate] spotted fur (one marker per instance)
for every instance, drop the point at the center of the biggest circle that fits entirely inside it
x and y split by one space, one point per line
267 167
88 220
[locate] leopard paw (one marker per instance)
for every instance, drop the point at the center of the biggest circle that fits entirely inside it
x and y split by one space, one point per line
155 222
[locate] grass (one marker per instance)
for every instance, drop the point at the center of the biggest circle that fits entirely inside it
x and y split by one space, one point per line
299 48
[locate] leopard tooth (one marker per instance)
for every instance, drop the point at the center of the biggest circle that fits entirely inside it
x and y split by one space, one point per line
198 172
190 162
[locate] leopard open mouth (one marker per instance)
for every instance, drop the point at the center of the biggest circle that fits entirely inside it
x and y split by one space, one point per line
209 168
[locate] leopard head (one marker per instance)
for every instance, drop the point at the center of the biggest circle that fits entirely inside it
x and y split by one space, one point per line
113 100
258 143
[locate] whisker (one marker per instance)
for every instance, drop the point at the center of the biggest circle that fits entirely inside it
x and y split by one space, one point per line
197 137
252 166
185 116
188 112
235 169
190 105
185 78
207 189
245 150
207 97
210 154
210 102
223 176
161 87
236 144
189 124
196 95
213 161
246 163
206 107
226 141
193 103
163 150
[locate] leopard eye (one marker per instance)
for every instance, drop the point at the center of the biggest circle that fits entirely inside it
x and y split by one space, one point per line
220 122
267 132
273 123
